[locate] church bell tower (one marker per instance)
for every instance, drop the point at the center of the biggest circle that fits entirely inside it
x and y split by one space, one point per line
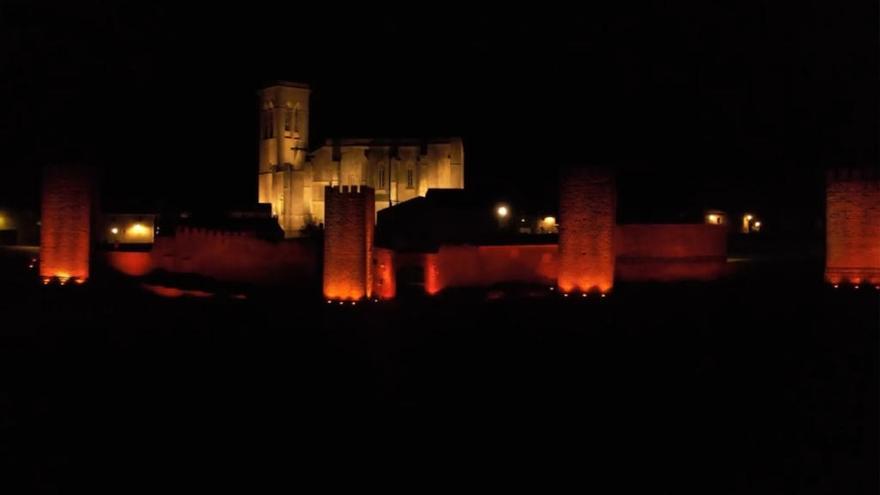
284 139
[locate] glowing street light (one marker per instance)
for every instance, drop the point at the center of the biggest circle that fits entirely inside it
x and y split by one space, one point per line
503 214
747 223
548 225
114 231
750 224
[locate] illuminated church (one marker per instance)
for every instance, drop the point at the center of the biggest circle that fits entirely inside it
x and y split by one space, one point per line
292 177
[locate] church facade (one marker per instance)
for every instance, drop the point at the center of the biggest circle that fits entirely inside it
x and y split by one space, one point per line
292 176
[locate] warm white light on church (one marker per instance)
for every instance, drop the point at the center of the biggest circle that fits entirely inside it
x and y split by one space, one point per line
502 211
285 141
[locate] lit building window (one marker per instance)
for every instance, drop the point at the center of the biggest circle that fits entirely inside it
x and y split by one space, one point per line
715 217
381 182
410 183
138 230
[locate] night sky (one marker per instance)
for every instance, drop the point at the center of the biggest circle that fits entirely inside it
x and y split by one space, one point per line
700 106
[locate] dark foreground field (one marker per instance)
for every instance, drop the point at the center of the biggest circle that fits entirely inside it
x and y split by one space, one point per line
765 383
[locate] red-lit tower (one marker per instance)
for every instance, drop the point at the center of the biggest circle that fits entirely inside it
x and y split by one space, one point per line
66 217
852 232
348 242
587 218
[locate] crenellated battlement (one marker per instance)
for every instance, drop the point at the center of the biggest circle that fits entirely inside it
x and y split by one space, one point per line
352 191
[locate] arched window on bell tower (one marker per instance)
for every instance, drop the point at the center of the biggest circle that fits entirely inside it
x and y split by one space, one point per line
268 121
289 121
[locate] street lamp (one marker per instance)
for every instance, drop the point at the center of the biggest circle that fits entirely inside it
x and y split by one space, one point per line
747 219
503 213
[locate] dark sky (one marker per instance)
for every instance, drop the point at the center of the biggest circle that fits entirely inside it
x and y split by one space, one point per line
735 107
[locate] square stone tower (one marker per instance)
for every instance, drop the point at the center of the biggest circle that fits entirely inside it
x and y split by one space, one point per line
283 181
852 231
348 242
587 214
66 218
